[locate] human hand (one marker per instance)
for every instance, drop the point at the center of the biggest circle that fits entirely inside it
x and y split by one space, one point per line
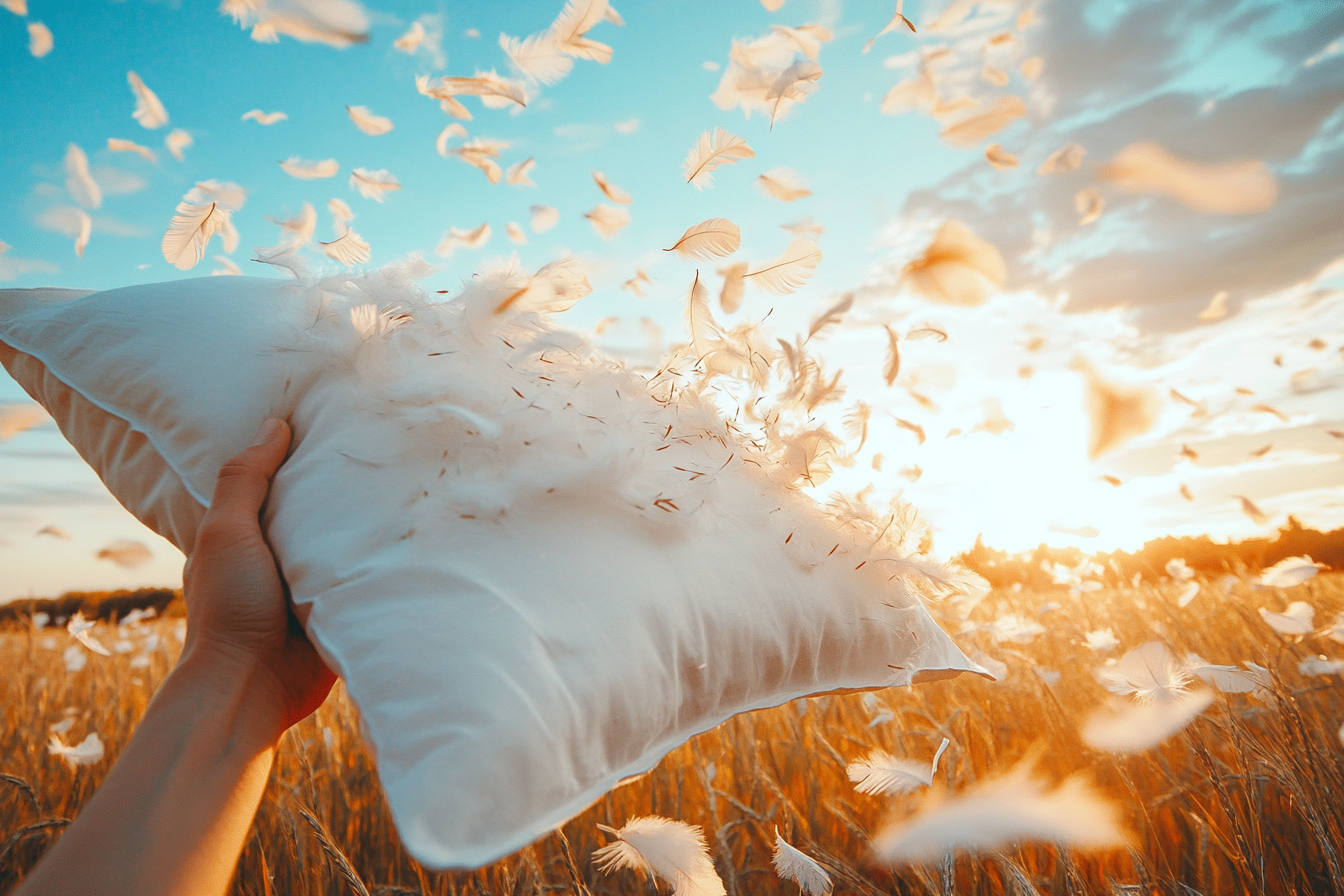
238 613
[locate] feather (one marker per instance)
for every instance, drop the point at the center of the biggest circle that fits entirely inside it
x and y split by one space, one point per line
53 531
700 321
1116 413
144 152
305 170
608 220
544 217
912 427
635 283
447 102
349 249
470 239
832 315
125 553
177 141
1133 728
795 865
772 5
481 153
226 194
1298 619
515 233
996 76
919 92
712 238
896 20
1148 672
539 58
974 128
993 814
83 188
80 628
148 110
1088 203
373 184
804 227
791 270
1270 409
997 156
16 418
409 42
1231 188
86 752
892 369
1290 571
336 23
264 118
85 231
40 41
191 228
18 7
495 92
229 269
519 174
340 211
672 851
1068 157
856 424
298 231
570 28
610 190
366 121
793 85
448 133
957 268
783 184
1032 68
927 331
881 773
712 150
734 286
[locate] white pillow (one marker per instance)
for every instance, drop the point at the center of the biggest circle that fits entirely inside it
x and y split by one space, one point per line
535 575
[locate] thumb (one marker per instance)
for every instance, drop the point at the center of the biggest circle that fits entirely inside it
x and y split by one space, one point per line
245 478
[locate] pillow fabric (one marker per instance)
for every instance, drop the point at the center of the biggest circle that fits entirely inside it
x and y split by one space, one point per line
536 571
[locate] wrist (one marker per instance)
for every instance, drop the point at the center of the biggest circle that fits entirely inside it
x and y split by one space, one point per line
236 688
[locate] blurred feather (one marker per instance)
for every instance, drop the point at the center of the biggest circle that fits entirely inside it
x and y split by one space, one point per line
125 553
540 59
1231 188
957 268
148 110
610 190
734 286
1252 510
177 141
608 220
544 217
1068 157
1298 619
971 130
40 41
519 174
832 315
892 368
366 121
17 417
336 23
1089 204
1290 571
305 170
469 239
373 184
1116 413
144 152
451 131
995 813
1135 727
1000 158
515 233
264 118
783 184
81 185
86 752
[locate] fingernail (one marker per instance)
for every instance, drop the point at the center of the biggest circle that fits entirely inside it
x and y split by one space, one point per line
269 427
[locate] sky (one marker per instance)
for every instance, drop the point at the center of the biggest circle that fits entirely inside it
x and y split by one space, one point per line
1001 402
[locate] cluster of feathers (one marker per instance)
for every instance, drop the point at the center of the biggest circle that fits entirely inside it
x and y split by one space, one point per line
723 427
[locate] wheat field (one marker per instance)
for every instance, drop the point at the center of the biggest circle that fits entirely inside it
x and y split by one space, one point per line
1244 800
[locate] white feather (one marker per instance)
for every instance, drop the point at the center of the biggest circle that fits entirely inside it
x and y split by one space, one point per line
882 773
191 228
86 752
671 850
795 865
148 110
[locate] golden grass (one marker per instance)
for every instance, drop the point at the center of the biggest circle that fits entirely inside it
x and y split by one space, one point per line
1247 799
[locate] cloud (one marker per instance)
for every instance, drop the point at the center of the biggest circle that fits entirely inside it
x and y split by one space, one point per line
63 219
1140 77
12 267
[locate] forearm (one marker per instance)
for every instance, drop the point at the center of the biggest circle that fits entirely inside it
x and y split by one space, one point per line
173 814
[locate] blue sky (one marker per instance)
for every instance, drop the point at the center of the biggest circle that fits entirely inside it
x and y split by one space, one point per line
1212 81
